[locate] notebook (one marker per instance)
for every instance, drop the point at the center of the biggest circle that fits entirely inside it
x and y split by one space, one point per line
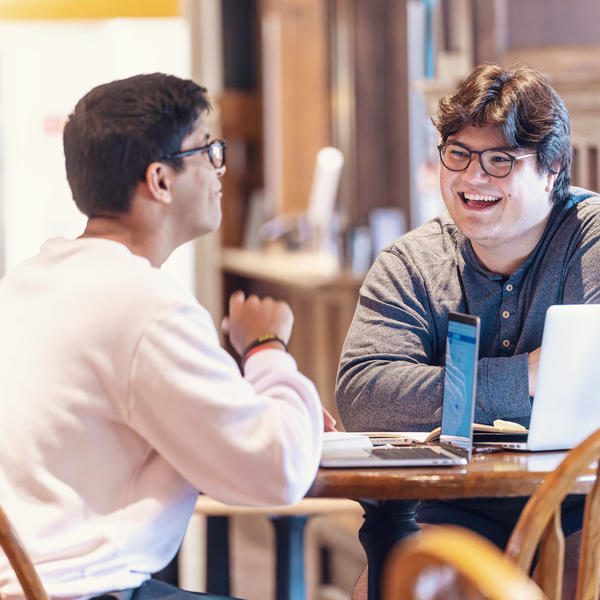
456 439
566 407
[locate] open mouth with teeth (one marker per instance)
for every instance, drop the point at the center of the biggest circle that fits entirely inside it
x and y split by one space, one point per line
479 200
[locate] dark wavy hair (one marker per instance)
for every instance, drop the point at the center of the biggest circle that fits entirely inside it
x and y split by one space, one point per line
117 129
524 106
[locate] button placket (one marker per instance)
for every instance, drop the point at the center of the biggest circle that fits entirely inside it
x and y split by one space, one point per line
508 324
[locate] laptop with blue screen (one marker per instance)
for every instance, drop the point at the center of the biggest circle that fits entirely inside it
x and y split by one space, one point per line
456 438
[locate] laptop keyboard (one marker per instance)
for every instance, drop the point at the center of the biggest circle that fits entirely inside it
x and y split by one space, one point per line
407 452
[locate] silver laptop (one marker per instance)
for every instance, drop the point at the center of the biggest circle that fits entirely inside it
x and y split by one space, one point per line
566 407
456 438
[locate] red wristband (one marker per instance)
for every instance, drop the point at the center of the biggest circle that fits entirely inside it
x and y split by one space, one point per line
259 344
253 351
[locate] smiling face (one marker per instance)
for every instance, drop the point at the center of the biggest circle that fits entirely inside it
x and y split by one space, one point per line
503 218
197 189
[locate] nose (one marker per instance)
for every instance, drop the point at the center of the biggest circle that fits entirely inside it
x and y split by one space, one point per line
474 171
221 171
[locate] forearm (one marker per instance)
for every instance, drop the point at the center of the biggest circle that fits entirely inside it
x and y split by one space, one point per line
300 423
390 375
251 440
403 396
395 396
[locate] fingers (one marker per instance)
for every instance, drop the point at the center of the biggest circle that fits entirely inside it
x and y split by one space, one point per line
328 421
225 324
236 299
533 362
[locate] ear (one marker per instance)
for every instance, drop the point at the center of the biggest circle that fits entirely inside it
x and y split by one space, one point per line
551 178
159 181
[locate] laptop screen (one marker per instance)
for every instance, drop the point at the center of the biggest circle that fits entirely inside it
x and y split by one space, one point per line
462 349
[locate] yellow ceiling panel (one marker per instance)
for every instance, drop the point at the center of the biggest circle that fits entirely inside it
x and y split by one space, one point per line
87 9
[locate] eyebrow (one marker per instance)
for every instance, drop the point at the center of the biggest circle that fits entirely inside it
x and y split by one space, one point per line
501 148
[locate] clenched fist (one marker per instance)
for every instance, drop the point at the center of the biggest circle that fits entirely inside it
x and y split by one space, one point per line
252 317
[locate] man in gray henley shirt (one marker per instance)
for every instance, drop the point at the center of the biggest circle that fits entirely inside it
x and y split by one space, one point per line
515 239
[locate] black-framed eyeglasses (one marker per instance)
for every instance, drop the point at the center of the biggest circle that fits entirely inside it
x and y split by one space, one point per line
215 149
494 162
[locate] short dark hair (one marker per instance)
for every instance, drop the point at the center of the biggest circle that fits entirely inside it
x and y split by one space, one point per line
524 106
117 129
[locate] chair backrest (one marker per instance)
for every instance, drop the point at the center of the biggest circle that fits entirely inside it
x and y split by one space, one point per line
539 526
20 561
452 562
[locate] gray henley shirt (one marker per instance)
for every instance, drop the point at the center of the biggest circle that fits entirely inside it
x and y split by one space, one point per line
391 370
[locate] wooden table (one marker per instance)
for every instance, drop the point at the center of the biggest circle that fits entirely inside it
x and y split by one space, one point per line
491 475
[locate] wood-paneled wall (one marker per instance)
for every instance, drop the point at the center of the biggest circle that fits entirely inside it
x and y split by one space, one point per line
382 111
300 58
297 119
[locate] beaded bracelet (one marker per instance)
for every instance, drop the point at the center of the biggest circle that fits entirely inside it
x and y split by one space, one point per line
263 339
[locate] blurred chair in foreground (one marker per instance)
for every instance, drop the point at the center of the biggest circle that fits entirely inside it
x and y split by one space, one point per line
20 561
539 527
453 563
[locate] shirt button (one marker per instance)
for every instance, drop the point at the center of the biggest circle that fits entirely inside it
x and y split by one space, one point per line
506 343
505 314
509 287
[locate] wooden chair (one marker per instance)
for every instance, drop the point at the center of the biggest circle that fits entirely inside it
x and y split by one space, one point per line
20 561
453 563
539 526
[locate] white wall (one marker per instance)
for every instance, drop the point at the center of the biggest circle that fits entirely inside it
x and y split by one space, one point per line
45 67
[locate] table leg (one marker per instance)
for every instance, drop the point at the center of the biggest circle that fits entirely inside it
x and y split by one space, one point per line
289 556
217 555
289 566
385 523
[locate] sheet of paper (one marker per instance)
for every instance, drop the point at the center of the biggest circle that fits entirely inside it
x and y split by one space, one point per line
348 440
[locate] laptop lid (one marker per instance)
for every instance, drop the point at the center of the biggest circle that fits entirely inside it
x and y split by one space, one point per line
460 380
566 407
462 352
